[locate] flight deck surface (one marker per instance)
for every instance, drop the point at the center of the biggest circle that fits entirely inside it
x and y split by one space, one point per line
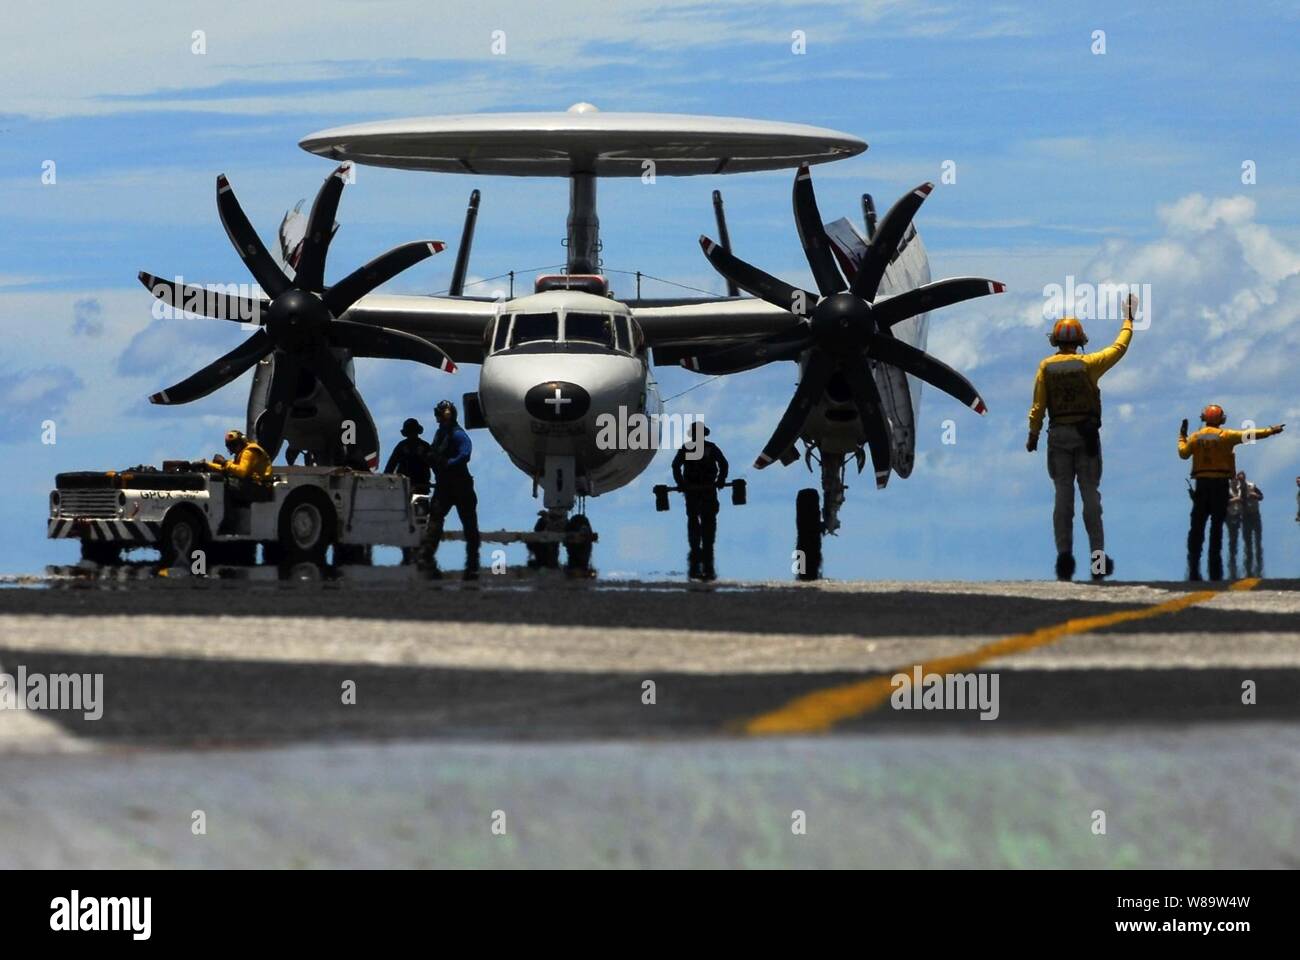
767 698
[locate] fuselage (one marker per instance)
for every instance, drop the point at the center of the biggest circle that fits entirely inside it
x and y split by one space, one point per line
559 368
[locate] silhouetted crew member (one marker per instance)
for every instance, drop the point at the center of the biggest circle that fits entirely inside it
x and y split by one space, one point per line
1232 520
1252 526
700 470
410 457
1067 389
1213 465
449 454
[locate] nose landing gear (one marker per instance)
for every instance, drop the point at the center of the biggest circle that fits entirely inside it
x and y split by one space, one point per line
555 530
562 490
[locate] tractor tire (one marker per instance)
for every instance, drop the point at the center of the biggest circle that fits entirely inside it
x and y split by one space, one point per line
308 525
183 531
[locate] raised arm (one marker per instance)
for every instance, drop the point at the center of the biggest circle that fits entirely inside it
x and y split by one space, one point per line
1184 448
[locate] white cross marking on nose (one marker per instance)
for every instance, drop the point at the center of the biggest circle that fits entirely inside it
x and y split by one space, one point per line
557 402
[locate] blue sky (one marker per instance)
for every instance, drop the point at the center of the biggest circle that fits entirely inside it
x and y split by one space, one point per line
1124 166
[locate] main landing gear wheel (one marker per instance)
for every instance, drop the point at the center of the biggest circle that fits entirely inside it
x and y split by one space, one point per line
808 529
578 555
545 555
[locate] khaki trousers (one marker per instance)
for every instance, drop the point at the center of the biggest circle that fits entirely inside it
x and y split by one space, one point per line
1068 464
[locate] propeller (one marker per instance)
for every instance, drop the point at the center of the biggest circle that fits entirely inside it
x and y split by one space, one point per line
298 320
843 326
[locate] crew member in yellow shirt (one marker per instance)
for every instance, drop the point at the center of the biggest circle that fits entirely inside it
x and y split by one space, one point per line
1067 390
248 476
1212 450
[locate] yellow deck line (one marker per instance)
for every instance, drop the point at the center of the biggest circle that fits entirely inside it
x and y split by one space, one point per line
820 710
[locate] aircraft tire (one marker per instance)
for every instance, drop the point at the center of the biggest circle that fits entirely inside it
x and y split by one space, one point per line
808 532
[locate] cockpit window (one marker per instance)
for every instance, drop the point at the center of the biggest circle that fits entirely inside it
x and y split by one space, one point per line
535 326
589 327
503 328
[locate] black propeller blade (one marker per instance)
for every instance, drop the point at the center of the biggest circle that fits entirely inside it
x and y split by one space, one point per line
817 373
884 243
753 280
925 367
279 401
377 272
310 272
816 245
365 441
249 245
932 296
218 373
208 303
866 397
364 340
300 322
844 326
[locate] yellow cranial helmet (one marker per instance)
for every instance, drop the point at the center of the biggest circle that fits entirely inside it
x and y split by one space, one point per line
235 441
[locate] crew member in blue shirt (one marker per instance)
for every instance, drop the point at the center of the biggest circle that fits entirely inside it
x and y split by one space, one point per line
449 454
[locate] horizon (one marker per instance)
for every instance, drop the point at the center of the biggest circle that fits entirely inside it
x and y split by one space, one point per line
1126 166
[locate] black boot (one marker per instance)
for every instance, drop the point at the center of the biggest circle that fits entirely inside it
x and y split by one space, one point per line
696 572
426 562
1064 566
708 572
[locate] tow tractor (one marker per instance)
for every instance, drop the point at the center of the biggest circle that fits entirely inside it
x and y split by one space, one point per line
184 508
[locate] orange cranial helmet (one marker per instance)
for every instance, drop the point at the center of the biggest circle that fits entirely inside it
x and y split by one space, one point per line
1213 415
1067 331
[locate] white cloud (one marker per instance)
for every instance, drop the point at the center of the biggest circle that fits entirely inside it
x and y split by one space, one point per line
1222 294
1195 214
29 397
103 59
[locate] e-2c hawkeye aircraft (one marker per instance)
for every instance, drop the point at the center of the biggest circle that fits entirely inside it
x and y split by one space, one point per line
553 362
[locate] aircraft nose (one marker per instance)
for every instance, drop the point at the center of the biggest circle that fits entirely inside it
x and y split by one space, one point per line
557 401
